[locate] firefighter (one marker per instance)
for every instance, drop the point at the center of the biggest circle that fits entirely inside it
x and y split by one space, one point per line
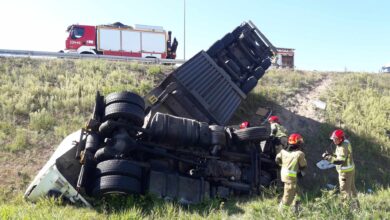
278 134
244 124
292 161
343 159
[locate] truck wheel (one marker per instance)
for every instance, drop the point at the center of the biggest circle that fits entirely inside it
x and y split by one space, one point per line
107 128
116 184
227 39
258 72
127 111
237 32
127 97
259 133
118 167
215 49
104 153
250 83
233 65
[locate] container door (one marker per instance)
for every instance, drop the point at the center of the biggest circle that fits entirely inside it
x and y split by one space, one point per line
153 42
109 39
131 41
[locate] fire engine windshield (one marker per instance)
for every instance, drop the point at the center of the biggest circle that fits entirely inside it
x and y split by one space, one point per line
77 32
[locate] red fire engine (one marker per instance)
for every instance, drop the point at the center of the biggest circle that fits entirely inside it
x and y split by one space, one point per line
121 40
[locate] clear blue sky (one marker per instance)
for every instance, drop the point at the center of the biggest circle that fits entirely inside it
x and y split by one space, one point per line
327 35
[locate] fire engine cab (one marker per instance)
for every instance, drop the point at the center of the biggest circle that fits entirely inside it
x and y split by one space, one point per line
121 40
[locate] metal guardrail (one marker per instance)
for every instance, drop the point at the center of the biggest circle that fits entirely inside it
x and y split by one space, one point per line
30 53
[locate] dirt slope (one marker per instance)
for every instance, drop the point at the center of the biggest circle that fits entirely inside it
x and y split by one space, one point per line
300 115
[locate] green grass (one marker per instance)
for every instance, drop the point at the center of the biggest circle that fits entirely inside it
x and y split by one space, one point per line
359 103
325 206
55 97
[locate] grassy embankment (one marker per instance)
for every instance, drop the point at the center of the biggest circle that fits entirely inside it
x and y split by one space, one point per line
42 101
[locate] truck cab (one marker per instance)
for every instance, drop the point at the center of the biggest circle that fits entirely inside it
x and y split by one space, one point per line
81 39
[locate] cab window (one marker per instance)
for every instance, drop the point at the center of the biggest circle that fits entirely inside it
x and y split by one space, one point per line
77 32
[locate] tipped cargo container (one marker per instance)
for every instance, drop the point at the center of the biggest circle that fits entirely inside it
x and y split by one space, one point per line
211 85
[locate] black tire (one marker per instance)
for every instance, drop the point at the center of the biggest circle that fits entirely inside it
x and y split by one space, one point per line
237 32
227 39
266 63
104 153
258 72
125 110
250 83
116 184
127 97
259 133
118 167
215 49
233 65
107 128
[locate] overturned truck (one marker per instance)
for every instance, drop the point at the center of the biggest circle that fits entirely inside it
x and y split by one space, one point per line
175 142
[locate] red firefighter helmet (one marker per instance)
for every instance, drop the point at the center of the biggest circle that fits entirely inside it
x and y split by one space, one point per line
295 139
244 124
338 135
273 119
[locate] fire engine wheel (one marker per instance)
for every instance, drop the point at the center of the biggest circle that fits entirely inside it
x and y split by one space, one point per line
127 97
250 83
116 184
266 63
259 72
118 167
259 133
128 111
